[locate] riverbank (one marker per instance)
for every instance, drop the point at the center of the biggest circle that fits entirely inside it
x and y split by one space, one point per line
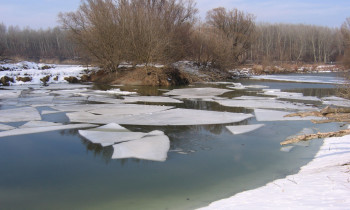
324 183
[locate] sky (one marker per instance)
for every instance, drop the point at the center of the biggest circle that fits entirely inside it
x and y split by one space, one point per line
38 14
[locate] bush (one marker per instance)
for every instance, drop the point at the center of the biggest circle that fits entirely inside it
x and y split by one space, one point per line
5 80
45 79
24 79
71 79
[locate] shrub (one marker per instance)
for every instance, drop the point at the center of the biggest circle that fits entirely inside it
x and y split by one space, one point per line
71 79
5 80
24 79
45 79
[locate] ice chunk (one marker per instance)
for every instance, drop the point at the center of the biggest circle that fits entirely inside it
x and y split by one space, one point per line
237 86
6 127
22 131
286 148
239 129
50 112
153 148
35 124
162 118
263 103
111 127
154 99
197 92
19 114
116 91
272 115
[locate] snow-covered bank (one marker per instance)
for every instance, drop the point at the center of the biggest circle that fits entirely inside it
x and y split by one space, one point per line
31 73
324 183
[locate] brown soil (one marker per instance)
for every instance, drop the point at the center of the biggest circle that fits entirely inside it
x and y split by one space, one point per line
149 76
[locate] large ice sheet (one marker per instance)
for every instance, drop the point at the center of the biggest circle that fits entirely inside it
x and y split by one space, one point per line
23 131
35 124
264 103
201 93
162 118
153 148
153 99
272 115
19 114
6 127
289 95
128 109
240 129
113 109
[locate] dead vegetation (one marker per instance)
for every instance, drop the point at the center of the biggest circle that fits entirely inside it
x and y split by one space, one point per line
330 115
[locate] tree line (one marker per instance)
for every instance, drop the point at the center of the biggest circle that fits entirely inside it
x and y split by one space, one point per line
111 32
36 44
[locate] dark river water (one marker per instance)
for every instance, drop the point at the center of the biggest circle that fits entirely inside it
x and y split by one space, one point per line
62 170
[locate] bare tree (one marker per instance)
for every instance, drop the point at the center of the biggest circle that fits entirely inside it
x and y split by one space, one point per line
138 31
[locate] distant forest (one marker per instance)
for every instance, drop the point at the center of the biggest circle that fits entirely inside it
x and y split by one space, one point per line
110 32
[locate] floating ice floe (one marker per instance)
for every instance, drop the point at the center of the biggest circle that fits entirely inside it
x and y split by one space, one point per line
30 130
200 93
116 91
289 95
336 101
286 148
7 94
153 99
19 114
107 136
272 115
240 129
35 124
44 112
263 103
237 86
159 118
6 127
153 148
126 144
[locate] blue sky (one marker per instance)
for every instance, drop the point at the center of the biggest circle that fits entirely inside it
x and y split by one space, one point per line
43 13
